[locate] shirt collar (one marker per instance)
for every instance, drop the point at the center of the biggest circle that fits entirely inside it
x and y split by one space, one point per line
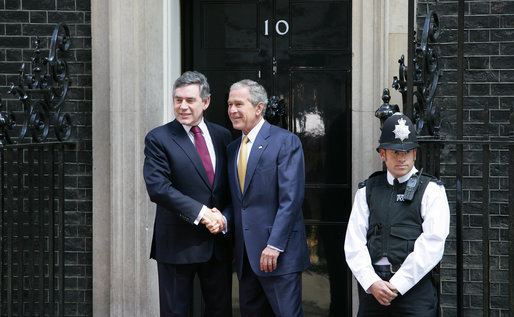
404 178
253 133
201 125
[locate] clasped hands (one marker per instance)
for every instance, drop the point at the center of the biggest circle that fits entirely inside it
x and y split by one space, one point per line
214 221
384 292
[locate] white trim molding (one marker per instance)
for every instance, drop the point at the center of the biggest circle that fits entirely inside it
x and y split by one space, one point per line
132 40
379 30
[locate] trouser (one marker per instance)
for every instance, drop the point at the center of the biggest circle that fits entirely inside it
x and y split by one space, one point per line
279 296
176 288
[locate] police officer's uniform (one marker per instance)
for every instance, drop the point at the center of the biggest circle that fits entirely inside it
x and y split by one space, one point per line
397 236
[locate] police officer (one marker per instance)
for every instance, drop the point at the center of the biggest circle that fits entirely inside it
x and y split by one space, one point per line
397 229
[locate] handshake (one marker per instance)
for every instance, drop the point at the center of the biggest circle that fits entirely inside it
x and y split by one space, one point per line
214 221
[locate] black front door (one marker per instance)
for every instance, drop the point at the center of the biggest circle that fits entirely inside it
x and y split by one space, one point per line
300 51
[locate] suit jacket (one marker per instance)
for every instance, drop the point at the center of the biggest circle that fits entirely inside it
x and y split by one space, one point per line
177 182
270 210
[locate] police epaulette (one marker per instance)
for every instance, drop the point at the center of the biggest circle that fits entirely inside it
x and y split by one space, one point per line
434 179
377 173
363 183
437 181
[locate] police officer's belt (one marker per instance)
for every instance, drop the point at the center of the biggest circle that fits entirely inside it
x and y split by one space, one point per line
387 268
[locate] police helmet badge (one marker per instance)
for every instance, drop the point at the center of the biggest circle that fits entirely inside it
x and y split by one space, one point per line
401 131
398 134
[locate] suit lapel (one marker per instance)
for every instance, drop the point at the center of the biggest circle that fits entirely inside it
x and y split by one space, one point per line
258 147
182 140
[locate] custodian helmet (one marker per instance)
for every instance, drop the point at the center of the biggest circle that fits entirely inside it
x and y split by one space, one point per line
398 134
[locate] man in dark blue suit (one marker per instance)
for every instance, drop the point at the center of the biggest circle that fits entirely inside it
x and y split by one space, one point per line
186 176
267 178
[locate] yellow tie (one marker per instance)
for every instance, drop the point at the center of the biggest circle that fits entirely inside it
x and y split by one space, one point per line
241 164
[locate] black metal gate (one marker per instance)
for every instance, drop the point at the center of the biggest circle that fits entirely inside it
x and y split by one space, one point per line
32 229
482 203
32 192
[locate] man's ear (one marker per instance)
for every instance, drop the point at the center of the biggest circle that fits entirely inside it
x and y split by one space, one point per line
206 103
382 153
260 107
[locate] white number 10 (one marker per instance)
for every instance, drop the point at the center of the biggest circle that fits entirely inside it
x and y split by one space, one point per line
277 27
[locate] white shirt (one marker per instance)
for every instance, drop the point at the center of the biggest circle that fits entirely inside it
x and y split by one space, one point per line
212 154
428 247
208 140
252 135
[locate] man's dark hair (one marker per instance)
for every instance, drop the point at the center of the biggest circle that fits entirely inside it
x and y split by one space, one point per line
191 78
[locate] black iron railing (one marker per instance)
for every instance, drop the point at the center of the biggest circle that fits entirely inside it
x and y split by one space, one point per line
465 205
32 223
32 184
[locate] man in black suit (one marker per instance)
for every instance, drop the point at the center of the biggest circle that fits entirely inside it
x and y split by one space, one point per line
186 176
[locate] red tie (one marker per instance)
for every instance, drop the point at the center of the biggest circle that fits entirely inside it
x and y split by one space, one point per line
201 147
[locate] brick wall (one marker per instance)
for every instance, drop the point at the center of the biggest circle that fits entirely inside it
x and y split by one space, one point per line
488 85
20 22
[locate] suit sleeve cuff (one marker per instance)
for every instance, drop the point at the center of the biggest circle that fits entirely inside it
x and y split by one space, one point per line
200 215
274 248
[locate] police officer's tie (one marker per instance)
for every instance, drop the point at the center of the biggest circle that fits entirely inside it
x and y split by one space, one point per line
241 164
201 147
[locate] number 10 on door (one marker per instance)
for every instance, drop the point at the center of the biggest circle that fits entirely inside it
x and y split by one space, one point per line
281 27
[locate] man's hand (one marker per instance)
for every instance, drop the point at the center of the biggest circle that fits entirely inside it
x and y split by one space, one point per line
221 219
384 292
269 258
214 221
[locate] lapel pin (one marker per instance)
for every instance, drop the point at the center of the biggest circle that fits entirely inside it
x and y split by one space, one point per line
260 147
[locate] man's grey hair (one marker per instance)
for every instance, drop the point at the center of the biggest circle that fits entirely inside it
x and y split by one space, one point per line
257 93
191 78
